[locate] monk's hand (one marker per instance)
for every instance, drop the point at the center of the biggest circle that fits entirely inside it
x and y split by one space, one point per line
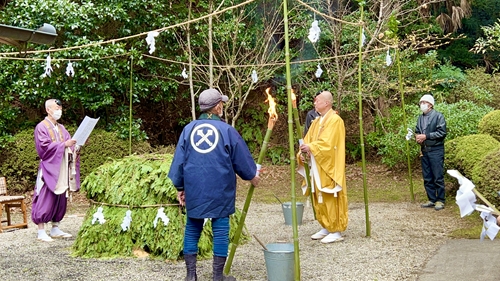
181 198
498 220
69 143
304 148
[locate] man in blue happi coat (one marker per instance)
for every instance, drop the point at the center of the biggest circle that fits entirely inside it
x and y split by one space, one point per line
208 156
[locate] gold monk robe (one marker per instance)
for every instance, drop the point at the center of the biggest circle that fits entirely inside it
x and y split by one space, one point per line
326 140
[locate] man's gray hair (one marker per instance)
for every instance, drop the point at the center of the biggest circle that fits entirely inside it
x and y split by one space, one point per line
49 103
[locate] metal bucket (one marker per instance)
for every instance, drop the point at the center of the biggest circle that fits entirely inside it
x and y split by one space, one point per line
287 212
280 263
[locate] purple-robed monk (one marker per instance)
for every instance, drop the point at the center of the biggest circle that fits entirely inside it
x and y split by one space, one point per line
50 196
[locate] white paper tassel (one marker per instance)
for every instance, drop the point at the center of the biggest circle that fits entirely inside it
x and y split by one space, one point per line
184 74
319 71
388 59
314 32
409 134
48 67
98 216
363 38
205 221
320 198
150 40
69 70
126 220
254 76
161 215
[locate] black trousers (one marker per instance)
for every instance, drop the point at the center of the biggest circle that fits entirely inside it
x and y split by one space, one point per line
433 172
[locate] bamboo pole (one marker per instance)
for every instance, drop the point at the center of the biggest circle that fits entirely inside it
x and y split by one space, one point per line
299 136
191 86
130 107
401 90
361 135
237 234
291 145
210 48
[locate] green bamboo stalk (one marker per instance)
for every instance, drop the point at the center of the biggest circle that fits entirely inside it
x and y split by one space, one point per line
130 107
306 166
241 223
291 144
361 134
401 90
190 51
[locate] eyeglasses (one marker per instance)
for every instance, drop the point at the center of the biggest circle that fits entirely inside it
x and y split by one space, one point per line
58 102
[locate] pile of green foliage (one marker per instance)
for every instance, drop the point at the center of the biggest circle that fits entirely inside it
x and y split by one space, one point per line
139 184
490 124
19 160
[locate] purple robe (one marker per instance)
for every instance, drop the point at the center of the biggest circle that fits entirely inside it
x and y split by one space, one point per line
47 206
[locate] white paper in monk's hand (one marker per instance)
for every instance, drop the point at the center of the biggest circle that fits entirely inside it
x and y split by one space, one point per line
84 130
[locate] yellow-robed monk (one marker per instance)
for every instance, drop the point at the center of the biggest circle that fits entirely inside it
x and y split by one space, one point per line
324 143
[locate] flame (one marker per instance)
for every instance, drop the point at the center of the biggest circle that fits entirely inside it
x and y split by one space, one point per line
293 96
272 105
294 99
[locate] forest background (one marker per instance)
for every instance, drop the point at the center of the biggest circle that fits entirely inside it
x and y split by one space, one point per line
445 47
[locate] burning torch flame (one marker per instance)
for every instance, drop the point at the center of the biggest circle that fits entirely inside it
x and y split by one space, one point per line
294 99
272 105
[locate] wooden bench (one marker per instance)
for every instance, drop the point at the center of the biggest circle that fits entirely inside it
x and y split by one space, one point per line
10 202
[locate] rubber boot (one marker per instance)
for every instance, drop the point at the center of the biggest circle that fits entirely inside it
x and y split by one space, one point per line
218 267
190 267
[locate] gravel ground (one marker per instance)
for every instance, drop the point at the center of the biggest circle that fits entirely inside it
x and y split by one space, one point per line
403 238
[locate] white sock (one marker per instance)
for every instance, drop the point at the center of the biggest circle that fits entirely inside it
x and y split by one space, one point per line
55 231
41 232
324 231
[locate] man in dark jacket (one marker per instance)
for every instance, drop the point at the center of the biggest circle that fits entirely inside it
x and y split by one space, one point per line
208 156
430 134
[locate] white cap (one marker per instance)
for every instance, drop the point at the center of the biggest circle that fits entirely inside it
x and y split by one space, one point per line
427 98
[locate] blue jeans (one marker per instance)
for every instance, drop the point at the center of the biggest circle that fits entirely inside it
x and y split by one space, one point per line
433 173
220 229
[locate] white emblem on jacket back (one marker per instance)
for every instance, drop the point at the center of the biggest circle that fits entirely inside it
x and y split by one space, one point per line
204 138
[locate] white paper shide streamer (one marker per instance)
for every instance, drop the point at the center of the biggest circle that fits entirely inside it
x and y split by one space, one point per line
98 216
70 71
48 67
126 220
314 32
409 135
466 199
184 74
255 78
388 59
150 40
319 71
363 38
161 215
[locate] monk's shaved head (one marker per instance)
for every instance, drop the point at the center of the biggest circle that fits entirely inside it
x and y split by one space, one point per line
327 96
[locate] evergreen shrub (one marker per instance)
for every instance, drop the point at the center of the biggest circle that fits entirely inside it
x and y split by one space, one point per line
19 160
138 183
486 177
469 151
490 124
